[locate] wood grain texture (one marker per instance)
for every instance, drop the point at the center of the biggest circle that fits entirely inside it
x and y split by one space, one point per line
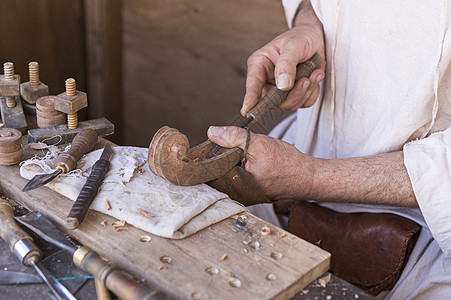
103 34
232 250
184 63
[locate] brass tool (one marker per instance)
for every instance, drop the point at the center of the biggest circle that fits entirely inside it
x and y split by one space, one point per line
66 161
23 247
121 284
274 97
90 189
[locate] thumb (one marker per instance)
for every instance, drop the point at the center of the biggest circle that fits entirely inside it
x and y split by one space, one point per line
228 137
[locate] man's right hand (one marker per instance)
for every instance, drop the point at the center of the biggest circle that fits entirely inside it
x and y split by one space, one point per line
276 63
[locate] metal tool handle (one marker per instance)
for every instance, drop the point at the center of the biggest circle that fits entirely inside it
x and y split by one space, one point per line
82 143
275 96
121 284
19 242
87 194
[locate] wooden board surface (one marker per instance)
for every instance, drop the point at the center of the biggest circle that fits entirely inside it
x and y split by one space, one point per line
266 267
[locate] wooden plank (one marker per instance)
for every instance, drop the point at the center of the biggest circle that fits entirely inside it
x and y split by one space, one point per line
184 63
292 262
103 32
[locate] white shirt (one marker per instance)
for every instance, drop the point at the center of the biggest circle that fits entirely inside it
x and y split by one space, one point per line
388 88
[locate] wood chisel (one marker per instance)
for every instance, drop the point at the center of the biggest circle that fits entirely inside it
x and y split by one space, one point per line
274 97
66 161
23 247
120 283
90 189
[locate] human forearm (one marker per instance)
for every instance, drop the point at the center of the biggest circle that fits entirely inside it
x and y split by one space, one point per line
379 179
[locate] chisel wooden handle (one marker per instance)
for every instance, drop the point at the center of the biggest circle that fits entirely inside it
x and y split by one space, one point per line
19 242
87 194
275 96
121 284
82 143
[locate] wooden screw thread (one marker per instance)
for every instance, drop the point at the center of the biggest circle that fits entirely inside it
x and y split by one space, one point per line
8 69
33 70
71 89
10 102
72 121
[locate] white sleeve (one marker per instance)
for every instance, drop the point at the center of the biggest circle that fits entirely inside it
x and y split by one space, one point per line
428 162
290 7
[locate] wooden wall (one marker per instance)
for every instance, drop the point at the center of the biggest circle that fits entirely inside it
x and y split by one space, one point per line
184 63
144 63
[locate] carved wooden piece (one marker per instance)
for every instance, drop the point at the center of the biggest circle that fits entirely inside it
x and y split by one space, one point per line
171 159
46 114
10 146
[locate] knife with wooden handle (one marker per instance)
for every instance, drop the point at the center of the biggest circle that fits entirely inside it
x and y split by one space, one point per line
66 161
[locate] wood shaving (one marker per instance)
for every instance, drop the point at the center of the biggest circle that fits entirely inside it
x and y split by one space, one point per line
107 204
305 291
145 213
145 238
265 231
323 281
141 171
163 268
121 169
121 174
244 217
119 225
245 250
149 182
103 223
120 228
328 297
224 257
356 296
120 208
281 234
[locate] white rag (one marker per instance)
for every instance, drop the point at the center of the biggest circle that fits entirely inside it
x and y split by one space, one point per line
129 186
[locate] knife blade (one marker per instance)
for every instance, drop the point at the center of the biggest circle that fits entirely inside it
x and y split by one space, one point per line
66 161
90 189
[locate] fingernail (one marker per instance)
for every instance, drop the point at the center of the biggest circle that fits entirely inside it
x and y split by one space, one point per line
283 81
306 85
320 78
243 110
215 131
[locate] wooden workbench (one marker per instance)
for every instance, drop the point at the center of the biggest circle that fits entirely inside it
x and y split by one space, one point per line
221 262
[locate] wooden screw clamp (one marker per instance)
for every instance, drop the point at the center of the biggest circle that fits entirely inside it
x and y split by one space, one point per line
32 90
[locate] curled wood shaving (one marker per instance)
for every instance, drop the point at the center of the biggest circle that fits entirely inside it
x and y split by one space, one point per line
323 281
107 204
141 171
121 169
103 223
281 234
145 213
223 257
119 225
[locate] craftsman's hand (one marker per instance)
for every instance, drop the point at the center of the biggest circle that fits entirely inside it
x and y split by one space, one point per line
276 63
280 169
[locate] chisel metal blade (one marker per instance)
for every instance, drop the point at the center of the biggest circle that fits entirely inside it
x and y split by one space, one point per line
40 180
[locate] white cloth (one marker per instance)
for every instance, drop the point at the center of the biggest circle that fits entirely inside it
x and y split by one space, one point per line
388 88
129 186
